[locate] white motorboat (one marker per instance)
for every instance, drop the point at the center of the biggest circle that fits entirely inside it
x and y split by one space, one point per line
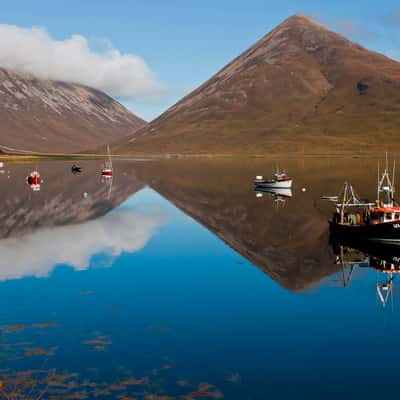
279 180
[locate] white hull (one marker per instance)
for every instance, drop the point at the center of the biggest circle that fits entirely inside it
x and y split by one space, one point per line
275 185
283 192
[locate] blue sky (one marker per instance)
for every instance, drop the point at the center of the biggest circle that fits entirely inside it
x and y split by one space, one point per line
185 42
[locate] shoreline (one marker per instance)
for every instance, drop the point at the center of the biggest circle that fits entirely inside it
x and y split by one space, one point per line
57 156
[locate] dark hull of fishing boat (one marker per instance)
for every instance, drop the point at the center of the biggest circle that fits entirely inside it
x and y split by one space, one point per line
380 254
387 232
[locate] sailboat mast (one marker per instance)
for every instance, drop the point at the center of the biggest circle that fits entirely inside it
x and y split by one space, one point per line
109 156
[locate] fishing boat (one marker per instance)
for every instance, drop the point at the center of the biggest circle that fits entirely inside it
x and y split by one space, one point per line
34 180
279 180
377 221
107 170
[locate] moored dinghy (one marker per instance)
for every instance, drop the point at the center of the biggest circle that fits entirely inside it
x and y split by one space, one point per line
34 180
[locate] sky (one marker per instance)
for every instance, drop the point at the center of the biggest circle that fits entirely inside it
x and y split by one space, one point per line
149 54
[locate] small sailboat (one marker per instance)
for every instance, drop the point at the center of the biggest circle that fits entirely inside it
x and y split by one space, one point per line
34 180
107 170
279 180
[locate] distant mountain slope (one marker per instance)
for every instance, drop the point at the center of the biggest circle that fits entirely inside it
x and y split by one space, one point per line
49 116
301 88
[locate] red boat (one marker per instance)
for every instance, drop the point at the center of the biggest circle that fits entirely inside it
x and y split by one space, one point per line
34 180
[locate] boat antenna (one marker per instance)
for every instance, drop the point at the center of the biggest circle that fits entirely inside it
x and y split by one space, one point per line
394 174
378 181
386 162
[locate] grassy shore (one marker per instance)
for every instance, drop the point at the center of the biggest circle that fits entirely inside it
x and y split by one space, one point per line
36 157
155 156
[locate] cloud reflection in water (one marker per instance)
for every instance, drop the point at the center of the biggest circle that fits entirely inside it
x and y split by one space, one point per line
37 254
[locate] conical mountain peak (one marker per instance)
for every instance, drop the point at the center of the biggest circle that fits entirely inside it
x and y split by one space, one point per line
305 20
299 87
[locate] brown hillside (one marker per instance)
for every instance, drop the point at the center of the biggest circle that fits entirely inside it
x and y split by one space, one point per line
48 116
301 88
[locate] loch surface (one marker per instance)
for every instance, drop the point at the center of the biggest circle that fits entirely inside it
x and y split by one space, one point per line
177 280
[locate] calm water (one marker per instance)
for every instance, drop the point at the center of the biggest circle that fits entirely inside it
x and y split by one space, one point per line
177 281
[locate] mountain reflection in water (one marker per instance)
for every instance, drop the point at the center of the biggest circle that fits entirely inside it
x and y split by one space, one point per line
210 291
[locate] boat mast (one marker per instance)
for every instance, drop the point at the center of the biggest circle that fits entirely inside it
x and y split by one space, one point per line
386 185
378 198
109 156
344 202
393 176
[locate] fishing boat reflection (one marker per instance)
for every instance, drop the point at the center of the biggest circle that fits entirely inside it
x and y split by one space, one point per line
279 195
384 259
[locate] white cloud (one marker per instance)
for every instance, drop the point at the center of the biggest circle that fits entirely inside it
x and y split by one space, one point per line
394 54
32 50
37 254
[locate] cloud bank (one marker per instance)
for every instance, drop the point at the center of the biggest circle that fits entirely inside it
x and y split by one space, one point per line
32 50
394 54
36 255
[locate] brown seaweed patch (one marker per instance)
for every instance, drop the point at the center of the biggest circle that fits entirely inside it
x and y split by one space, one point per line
134 381
234 378
39 351
42 325
99 343
152 396
13 328
183 383
205 390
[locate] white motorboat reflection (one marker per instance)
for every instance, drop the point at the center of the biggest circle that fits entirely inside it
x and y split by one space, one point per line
279 195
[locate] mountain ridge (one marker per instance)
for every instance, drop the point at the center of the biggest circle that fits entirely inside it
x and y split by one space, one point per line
300 85
40 115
